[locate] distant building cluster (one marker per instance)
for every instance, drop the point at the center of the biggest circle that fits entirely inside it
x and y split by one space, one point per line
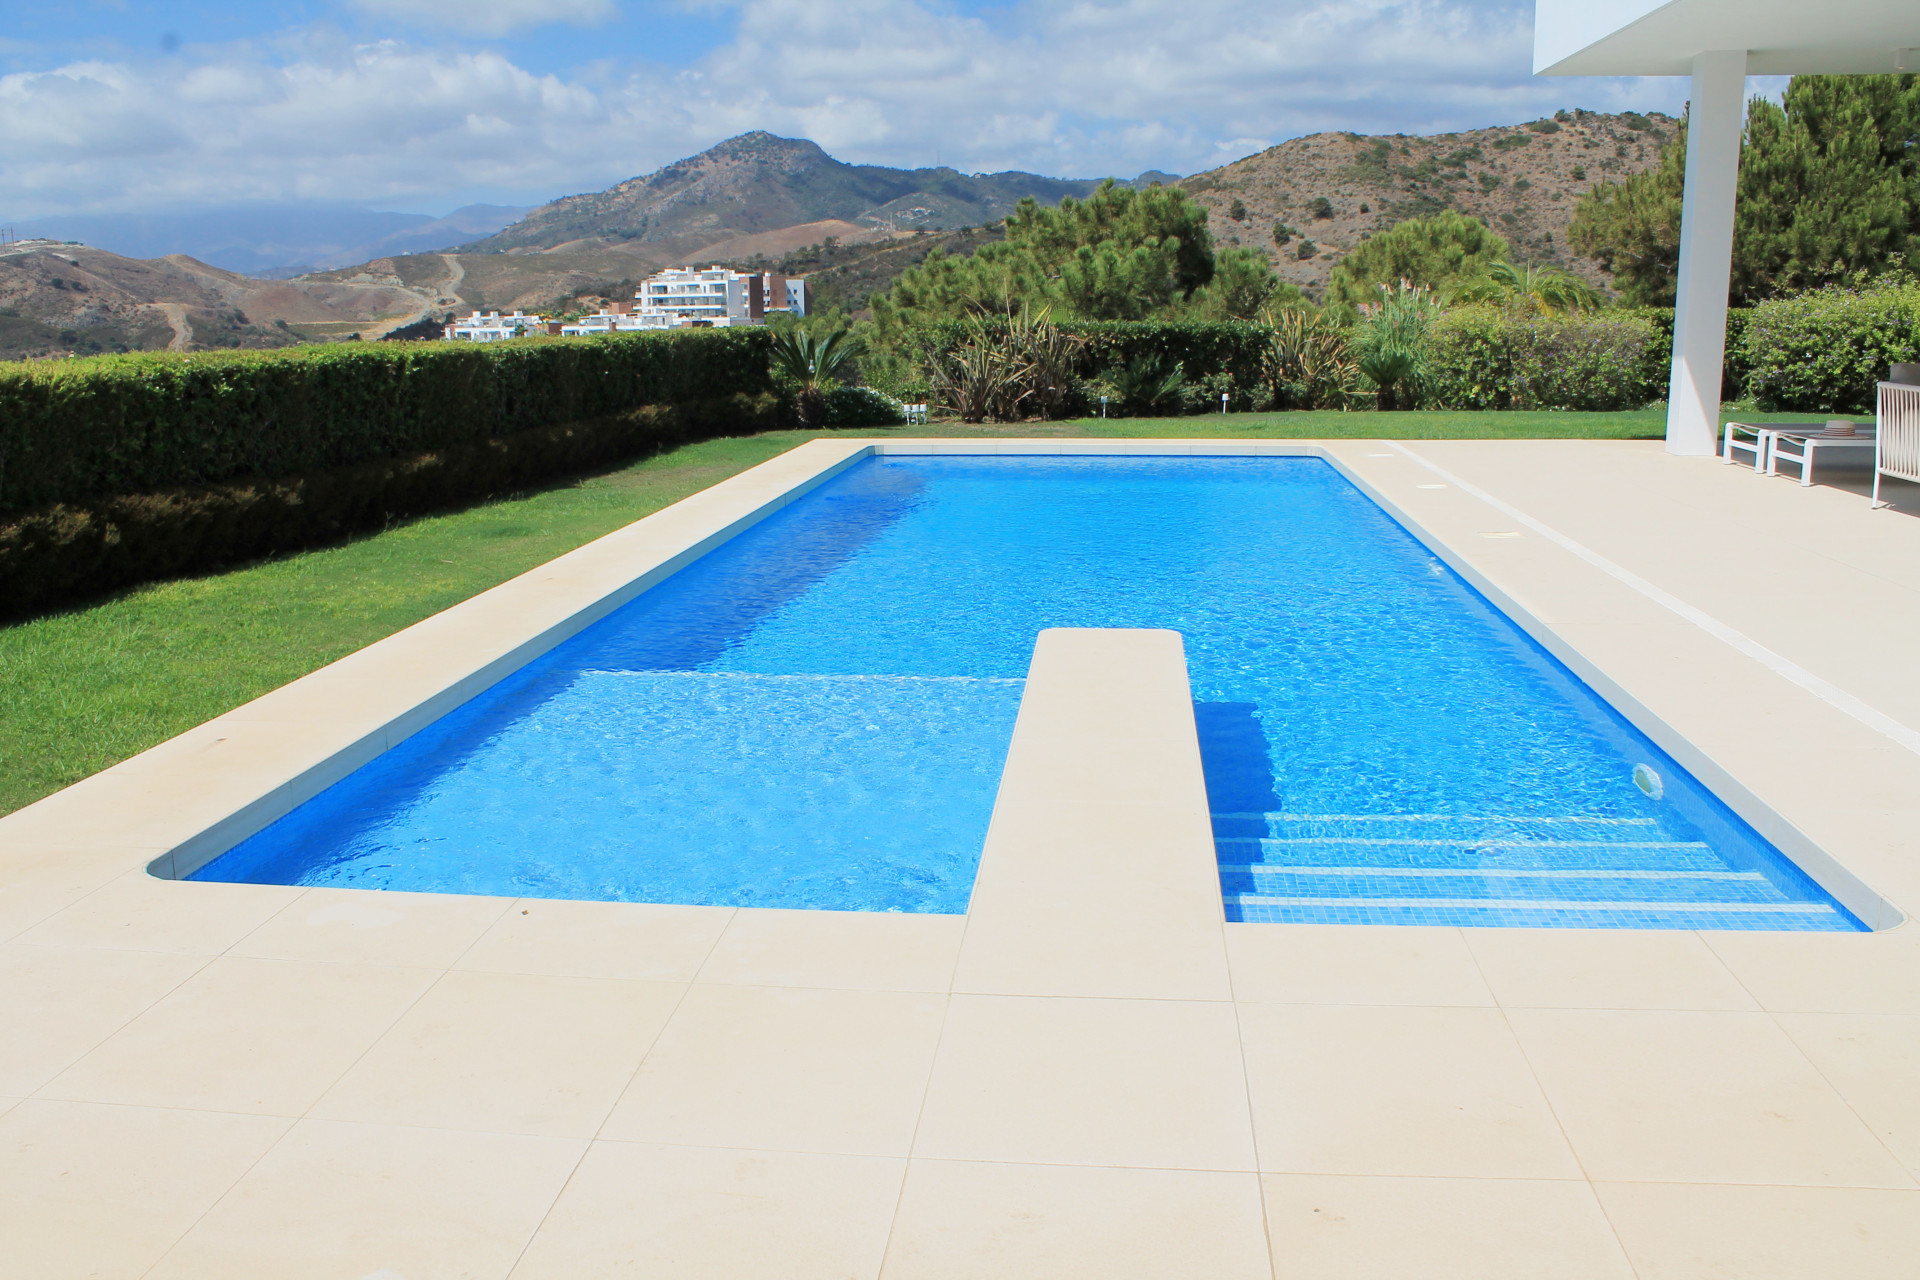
677 298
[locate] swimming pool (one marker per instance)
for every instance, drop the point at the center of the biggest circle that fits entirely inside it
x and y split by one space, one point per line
815 713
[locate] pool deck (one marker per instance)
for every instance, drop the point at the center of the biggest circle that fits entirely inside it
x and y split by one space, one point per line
1090 1074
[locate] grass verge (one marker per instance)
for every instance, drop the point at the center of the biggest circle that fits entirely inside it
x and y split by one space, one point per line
84 689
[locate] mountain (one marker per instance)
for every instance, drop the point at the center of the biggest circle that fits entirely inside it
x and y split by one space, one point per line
1523 180
277 239
60 299
758 183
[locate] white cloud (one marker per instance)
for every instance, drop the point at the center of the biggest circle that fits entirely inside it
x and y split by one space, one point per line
489 17
1067 87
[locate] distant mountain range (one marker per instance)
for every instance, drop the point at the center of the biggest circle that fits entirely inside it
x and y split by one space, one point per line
275 240
758 183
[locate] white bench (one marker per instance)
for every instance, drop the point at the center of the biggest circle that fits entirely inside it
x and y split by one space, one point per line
1799 446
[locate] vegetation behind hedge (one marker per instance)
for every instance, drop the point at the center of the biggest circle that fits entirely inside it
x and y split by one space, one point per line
79 430
1822 352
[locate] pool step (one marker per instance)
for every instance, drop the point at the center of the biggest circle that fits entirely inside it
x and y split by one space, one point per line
1567 871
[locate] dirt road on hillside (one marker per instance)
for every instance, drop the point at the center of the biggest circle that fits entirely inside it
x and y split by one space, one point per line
177 318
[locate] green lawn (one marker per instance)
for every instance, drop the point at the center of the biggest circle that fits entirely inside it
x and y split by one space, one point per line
82 690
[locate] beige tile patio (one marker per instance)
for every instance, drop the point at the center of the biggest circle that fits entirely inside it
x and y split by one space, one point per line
1605 969
507 1053
263 1036
1679 1232
1353 964
1827 972
865 950
40 883
1873 1059
430 929
1344 1228
1152 1083
57 1003
1441 1092
963 1220
89 1192
336 1200
1666 1096
139 912
788 1069
639 1212
599 940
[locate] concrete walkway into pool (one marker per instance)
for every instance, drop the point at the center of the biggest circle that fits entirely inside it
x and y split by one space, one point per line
1091 1074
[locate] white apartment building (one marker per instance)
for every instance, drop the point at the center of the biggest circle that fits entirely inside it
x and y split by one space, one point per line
685 297
682 297
491 326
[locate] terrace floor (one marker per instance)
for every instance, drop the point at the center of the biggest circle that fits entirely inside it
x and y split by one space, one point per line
204 1081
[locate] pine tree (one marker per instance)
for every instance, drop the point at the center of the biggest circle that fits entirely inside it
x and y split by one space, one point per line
1829 188
1120 254
1445 251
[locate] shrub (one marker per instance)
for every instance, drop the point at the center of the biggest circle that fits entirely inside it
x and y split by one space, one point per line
75 430
1487 358
1222 355
862 407
1823 351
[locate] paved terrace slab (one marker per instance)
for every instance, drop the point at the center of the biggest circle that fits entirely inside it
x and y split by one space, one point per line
211 1080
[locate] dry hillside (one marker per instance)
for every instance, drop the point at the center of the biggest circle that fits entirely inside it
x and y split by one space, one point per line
1522 180
62 299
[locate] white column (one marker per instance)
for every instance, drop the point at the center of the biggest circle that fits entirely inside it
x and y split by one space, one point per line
1716 114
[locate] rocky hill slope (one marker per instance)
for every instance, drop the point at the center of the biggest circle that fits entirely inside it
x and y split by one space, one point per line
1309 201
61 299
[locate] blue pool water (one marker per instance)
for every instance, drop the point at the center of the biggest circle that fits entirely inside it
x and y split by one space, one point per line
815 715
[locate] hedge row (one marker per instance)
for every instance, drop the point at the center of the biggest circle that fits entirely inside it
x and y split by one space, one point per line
1486 358
1822 352
68 552
73 431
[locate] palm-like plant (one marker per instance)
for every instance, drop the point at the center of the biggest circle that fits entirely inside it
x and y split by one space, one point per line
1530 288
1391 343
1147 384
1307 360
813 362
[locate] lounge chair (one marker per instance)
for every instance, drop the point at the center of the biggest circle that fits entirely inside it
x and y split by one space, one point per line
1897 441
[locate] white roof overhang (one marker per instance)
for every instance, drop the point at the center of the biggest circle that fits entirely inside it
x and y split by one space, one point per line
1781 37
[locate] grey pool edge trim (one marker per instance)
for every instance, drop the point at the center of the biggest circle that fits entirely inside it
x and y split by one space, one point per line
835 456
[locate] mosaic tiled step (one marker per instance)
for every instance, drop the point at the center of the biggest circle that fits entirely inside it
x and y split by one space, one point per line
1492 870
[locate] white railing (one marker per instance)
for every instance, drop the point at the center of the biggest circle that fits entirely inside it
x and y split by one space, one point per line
1897 451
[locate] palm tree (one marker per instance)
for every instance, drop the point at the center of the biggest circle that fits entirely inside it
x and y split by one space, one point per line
814 363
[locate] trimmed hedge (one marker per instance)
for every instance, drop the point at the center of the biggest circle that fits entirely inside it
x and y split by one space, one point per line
1823 351
72 431
68 552
1485 358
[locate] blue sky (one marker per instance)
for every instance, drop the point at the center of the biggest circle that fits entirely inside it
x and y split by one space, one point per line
422 105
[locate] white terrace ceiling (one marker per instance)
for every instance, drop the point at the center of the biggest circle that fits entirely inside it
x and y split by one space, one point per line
1782 37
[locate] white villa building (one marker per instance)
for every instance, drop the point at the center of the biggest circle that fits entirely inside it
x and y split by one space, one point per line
688 297
491 326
